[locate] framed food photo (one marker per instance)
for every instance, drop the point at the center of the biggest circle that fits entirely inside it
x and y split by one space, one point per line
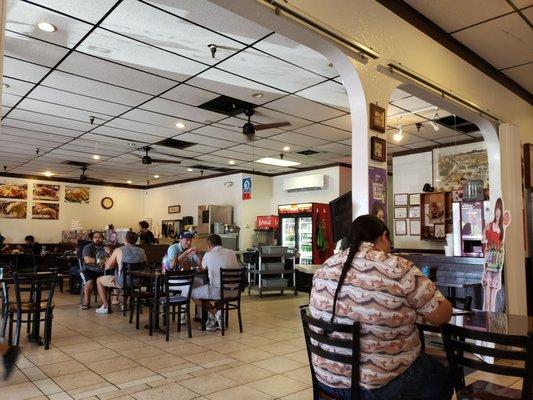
414 227
10 190
414 211
42 210
377 118
44 191
414 199
400 227
378 149
400 199
400 212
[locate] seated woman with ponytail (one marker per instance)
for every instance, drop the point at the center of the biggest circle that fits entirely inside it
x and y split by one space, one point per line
385 294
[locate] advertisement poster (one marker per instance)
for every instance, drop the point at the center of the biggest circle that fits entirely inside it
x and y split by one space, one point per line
494 239
43 191
45 210
377 192
246 188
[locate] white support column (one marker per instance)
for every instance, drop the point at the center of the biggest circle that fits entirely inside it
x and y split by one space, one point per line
514 267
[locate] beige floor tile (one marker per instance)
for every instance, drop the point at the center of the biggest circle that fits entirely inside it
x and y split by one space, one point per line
47 386
82 347
77 380
161 362
246 373
16 378
171 391
141 352
210 383
207 358
185 349
87 392
123 392
302 375
250 355
300 356
69 340
239 393
112 365
50 357
227 347
486 376
60 396
129 374
277 385
302 395
21 391
63 368
98 355
33 373
278 348
278 364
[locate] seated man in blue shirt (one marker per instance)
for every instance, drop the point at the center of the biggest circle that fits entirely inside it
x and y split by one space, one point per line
181 255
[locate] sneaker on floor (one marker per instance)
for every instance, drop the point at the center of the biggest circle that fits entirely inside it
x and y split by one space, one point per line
10 359
211 326
101 310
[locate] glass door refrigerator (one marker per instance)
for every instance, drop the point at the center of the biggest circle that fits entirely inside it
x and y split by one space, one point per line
307 228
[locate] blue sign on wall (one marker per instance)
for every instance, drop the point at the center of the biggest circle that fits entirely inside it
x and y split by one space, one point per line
246 188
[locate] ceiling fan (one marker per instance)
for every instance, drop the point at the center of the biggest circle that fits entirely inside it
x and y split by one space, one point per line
147 160
85 178
249 129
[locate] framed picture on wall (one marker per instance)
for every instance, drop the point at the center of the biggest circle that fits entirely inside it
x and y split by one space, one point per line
440 231
400 212
400 227
174 209
414 211
400 199
414 227
414 199
378 149
377 118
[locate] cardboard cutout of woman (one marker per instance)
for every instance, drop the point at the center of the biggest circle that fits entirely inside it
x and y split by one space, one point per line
494 240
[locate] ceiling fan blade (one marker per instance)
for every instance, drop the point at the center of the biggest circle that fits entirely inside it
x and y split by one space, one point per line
166 161
262 127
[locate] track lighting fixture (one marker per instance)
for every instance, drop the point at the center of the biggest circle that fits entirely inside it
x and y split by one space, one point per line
212 49
434 124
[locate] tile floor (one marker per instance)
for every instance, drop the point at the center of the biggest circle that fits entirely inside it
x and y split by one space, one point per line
102 357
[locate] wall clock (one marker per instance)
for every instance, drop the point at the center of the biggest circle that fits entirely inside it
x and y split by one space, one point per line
107 203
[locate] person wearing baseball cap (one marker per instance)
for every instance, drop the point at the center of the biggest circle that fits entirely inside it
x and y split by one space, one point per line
181 254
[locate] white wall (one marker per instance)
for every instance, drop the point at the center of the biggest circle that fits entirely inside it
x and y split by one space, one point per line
126 213
259 204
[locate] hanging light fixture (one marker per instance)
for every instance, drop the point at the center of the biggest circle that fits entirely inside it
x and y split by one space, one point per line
399 135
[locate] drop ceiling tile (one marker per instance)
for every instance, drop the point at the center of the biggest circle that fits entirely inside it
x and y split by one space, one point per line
153 132
23 18
324 132
219 133
503 42
234 155
51 120
164 121
102 151
169 153
398 94
337 148
265 115
452 15
420 145
234 86
407 138
220 19
219 161
476 134
393 111
271 71
276 145
92 67
344 122
88 87
297 139
90 104
24 141
32 128
411 103
205 140
522 74
9 100
125 134
329 93
256 151
452 139
184 111
5 110
125 51
304 108
32 50
202 149
397 149
189 95
295 53
347 142
90 11
16 87
65 112
22 70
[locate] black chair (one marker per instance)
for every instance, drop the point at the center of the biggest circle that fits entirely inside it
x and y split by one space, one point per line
455 345
4 292
31 299
232 285
25 263
319 342
174 285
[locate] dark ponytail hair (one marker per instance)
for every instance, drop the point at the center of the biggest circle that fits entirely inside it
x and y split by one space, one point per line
366 228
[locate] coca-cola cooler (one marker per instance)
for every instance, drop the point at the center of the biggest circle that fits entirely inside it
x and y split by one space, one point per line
307 228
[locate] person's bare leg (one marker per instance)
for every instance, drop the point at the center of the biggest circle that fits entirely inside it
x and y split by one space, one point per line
87 289
102 292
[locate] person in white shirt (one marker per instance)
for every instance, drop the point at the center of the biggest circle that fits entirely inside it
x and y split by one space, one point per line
216 258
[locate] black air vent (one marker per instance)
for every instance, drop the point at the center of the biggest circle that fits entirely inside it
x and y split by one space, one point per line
307 152
462 125
76 163
226 105
175 144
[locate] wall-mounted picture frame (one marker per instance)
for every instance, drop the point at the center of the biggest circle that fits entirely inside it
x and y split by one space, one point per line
400 212
528 165
377 118
414 199
414 211
378 149
400 227
439 231
414 227
400 199
174 209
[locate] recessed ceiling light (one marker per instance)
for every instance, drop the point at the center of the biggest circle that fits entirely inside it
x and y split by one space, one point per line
257 95
231 162
190 169
277 161
180 125
129 182
48 173
156 176
286 148
47 27
5 85
96 157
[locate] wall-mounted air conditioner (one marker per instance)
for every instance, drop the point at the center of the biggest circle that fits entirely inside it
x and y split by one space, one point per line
305 183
